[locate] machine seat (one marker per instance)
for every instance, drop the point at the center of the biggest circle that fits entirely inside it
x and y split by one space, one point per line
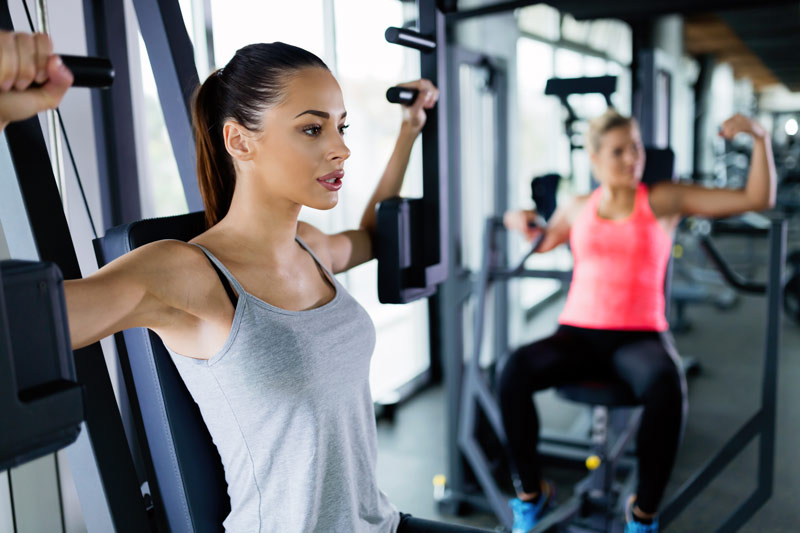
598 393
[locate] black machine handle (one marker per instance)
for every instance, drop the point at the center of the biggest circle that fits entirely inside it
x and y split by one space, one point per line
91 72
402 95
410 38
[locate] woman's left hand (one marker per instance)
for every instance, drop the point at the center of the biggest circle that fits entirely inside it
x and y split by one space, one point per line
741 124
414 116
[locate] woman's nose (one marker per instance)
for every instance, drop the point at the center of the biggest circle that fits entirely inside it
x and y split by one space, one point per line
339 150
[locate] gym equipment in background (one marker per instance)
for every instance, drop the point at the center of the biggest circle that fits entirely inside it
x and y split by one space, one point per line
596 496
412 234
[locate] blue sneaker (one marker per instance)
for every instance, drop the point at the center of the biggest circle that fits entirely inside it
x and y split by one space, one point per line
527 514
632 526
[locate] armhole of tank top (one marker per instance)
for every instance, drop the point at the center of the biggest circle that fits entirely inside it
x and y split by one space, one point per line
225 283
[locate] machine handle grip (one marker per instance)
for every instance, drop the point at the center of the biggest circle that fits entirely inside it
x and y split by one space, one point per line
402 95
92 72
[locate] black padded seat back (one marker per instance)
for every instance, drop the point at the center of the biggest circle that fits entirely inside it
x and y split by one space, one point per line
659 165
189 484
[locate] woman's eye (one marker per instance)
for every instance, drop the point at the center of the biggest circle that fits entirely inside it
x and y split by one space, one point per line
343 127
312 131
617 152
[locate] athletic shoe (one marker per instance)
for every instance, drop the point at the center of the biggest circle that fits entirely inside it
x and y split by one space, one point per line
527 514
632 526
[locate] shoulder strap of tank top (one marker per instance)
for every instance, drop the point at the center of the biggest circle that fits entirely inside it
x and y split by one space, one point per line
310 251
223 273
642 205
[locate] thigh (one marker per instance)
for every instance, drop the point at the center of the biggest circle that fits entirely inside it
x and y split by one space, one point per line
647 361
409 524
562 358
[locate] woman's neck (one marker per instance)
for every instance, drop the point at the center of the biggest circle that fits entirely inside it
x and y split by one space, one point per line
257 224
617 194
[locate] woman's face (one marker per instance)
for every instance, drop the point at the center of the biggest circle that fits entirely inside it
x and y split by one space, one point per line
299 155
619 161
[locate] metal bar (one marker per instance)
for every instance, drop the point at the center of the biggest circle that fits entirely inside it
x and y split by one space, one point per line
448 304
727 272
501 155
769 391
435 145
493 9
172 60
112 113
411 39
689 490
745 511
563 275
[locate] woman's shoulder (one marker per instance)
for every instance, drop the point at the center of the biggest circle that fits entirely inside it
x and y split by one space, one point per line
173 270
576 203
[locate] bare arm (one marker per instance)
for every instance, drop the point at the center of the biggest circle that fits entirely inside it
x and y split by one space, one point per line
557 231
354 247
669 199
144 288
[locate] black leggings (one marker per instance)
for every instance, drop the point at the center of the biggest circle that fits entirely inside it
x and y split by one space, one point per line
409 524
645 361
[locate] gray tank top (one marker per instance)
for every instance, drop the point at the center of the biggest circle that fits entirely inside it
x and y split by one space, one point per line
288 405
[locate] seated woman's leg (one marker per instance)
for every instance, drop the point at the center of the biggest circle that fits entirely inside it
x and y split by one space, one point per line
555 360
650 366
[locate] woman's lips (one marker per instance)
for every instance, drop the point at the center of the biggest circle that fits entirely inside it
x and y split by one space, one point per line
332 181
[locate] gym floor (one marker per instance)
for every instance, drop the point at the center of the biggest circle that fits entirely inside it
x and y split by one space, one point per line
729 345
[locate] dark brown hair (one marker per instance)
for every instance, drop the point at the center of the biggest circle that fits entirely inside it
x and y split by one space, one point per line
252 81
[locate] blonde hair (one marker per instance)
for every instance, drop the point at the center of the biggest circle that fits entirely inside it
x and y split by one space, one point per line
601 125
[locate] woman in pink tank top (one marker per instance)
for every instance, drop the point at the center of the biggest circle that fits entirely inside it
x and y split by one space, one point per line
613 325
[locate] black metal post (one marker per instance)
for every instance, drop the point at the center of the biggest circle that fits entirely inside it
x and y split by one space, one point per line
434 148
112 112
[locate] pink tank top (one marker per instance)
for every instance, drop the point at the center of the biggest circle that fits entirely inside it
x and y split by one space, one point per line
618 277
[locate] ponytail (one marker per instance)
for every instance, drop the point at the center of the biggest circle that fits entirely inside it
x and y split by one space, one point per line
252 81
215 173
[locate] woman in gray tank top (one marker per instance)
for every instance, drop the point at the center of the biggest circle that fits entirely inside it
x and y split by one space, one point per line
280 365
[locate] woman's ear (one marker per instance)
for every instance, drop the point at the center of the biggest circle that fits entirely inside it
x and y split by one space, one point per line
238 141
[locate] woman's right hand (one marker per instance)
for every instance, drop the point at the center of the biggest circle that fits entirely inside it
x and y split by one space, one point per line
25 59
526 222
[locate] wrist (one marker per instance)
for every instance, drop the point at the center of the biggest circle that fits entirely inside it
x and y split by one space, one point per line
407 129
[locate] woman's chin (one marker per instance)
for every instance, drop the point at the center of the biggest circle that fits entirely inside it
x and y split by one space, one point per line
324 205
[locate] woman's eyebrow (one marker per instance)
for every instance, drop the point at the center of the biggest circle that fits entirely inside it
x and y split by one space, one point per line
321 114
